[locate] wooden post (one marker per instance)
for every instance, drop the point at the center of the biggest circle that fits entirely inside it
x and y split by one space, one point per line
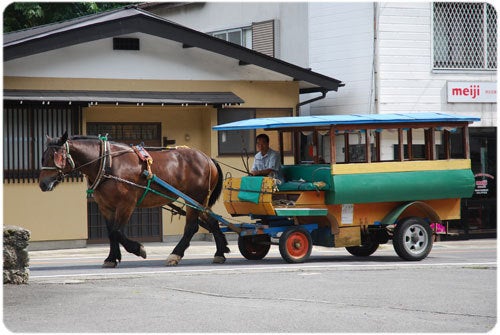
333 151
346 147
368 146
377 146
465 139
401 145
315 147
282 150
446 144
296 147
409 139
430 143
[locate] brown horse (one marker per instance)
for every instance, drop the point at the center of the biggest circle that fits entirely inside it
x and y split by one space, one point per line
115 177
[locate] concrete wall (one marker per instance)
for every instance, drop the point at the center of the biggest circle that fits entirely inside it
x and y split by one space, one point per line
406 80
341 42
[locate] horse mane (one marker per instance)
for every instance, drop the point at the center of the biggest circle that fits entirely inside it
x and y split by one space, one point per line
84 137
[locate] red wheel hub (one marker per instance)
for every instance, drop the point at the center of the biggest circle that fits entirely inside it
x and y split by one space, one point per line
297 245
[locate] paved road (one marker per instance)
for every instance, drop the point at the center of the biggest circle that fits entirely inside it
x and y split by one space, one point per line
452 290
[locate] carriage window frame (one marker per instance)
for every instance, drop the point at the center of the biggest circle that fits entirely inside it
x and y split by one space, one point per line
439 143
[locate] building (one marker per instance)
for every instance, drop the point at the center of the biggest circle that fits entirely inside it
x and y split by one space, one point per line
137 77
406 56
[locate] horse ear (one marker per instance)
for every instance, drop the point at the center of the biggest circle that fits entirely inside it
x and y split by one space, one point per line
63 138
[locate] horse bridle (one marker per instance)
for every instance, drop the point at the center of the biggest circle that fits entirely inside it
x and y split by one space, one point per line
61 159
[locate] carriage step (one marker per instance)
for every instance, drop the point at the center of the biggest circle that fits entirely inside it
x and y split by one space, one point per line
301 211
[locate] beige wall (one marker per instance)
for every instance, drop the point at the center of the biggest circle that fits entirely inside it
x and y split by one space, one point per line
176 122
257 94
62 214
50 216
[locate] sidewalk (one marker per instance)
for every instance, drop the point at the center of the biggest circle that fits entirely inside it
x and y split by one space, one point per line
208 248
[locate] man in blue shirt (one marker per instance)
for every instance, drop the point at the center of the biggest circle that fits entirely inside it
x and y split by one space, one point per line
267 161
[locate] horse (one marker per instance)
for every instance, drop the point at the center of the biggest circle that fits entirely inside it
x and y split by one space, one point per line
114 172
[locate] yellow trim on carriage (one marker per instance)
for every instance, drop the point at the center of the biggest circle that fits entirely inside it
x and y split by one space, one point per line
383 167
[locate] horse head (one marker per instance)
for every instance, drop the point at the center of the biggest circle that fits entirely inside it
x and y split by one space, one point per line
55 161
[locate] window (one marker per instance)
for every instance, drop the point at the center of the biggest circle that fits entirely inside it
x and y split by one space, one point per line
237 142
127 132
240 36
465 36
261 37
24 129
120 43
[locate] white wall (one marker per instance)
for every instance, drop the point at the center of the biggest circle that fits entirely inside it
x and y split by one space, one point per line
157 59
405 79
215 16
341 46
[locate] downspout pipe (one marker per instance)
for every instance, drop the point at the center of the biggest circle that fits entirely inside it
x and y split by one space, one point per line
322 96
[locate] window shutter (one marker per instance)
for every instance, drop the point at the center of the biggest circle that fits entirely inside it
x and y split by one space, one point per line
263 37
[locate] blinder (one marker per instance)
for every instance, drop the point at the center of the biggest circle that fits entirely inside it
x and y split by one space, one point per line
62 157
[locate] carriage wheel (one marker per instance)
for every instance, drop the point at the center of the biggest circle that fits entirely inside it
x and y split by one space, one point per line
412 239
254 247
295 245
364 250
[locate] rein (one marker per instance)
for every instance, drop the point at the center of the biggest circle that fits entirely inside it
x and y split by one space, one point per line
232 167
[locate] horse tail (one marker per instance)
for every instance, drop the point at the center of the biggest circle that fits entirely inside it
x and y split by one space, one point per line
218 188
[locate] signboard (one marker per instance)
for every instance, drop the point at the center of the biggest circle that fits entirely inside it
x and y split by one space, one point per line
472 91
485 184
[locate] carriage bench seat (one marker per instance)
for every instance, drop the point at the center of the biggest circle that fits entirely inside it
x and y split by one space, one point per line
315 177
303 186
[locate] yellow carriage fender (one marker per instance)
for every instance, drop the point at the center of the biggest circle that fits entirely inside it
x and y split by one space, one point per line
427 210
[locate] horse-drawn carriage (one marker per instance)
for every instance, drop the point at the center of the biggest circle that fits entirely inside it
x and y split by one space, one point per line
368 179
389 177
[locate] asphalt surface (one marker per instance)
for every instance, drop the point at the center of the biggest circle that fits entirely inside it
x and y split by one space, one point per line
453 290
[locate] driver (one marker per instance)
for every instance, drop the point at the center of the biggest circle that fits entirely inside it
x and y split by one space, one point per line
267 161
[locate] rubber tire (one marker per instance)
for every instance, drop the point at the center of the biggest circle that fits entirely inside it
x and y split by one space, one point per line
295 245
254 247
364 250
412 239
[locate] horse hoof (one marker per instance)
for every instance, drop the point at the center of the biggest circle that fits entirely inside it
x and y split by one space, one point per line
108 264
142 252
173 260
219 259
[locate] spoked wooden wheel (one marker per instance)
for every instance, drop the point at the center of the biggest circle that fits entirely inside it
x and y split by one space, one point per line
254 247
295 245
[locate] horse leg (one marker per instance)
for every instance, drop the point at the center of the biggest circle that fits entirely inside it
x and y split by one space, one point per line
114 256
131 246
212 225
189 230
115 221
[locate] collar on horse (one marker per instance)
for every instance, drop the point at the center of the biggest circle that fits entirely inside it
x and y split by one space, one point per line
105 163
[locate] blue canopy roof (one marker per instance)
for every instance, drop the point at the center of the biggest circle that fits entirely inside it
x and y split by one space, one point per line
327 120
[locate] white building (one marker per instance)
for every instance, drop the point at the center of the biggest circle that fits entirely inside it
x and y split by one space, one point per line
407 56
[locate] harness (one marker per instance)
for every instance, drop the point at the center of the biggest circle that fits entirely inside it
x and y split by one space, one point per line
145 157
105 164
63 157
